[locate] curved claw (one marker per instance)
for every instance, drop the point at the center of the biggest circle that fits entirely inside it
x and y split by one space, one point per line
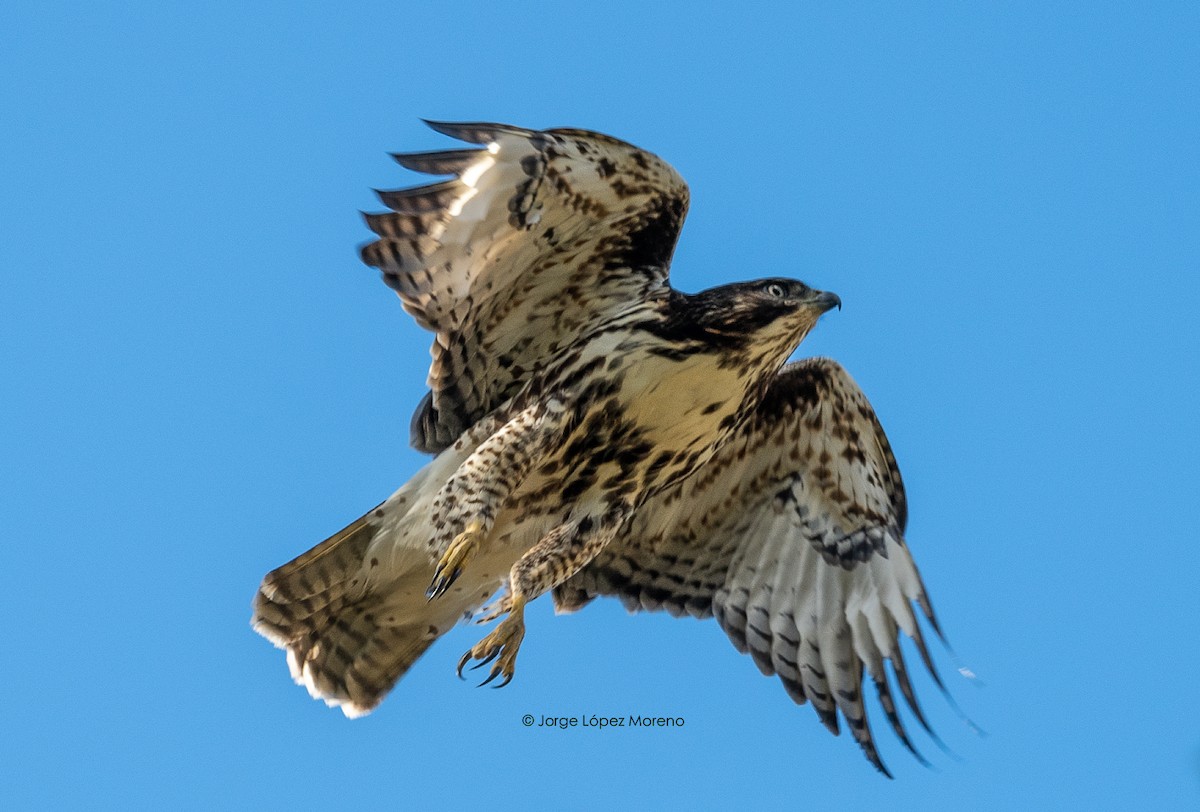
500 648
441 583
460 551
497 671
487 660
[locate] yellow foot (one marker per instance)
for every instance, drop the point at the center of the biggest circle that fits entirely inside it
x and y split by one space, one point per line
460 551
494 610
502 646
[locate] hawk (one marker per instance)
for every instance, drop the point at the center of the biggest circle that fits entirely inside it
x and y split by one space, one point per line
597 432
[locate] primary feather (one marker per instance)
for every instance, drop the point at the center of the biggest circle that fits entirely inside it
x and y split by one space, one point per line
608 435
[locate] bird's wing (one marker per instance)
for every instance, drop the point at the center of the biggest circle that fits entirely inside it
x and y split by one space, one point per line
536 237
792 535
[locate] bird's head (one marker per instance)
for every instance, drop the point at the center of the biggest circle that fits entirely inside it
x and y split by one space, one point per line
768 317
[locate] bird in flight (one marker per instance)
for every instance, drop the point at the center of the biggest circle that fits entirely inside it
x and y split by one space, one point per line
596 432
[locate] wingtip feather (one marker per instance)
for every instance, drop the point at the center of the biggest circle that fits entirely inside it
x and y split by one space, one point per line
439 162
475 132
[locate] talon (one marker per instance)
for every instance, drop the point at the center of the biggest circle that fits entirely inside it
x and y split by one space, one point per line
484 662
500 646
441 583
460 551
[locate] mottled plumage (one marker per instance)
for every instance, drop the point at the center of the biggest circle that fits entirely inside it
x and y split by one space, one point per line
598 433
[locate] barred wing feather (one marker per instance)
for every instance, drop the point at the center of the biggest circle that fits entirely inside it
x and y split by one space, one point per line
792 536
536 237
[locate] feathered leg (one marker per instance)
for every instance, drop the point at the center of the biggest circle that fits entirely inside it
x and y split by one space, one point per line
560 554
467 505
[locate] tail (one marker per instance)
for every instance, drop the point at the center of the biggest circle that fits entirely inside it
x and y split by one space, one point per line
318 608
352 612
351 626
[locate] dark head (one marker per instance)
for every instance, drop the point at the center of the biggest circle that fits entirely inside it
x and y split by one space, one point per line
768 317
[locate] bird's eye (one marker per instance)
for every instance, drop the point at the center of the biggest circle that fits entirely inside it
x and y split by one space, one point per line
775 291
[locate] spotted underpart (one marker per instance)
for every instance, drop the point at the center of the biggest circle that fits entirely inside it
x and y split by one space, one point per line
599 433
484 481
611 422
778 535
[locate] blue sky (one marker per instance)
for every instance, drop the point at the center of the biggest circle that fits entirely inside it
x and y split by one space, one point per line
201 382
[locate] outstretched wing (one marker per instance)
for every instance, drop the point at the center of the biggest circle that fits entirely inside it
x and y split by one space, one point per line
792 535
536 237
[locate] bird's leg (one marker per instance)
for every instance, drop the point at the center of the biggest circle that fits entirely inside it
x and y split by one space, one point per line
466 507
498 608
460 550
560 554
501 644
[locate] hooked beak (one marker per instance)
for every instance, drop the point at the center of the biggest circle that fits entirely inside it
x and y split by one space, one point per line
826 301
